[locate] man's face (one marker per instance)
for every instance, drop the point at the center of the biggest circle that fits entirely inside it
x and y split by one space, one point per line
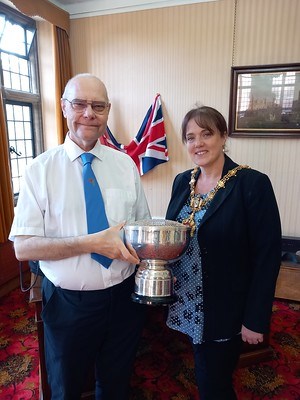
85 123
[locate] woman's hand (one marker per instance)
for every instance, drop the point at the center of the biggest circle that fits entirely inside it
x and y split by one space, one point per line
251 337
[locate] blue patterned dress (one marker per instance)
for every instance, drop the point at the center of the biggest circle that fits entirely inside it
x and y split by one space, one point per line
186 315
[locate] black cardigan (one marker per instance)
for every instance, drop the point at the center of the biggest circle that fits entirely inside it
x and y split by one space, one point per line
240 242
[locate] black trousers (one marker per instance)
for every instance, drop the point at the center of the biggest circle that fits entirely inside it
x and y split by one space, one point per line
86 328
215 363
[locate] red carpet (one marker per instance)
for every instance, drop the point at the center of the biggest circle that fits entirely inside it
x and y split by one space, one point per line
164 364
19 357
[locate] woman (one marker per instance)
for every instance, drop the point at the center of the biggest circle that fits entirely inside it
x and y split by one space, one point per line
226 279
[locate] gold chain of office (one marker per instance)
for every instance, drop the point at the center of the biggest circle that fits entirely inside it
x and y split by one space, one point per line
197 203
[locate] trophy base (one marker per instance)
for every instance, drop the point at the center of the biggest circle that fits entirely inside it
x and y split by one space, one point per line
154 301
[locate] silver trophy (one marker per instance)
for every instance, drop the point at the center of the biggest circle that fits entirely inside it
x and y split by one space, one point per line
158 243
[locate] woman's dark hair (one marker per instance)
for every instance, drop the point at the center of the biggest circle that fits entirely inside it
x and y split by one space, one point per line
207 118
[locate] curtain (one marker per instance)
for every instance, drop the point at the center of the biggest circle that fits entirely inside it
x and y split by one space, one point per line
63 72
6 193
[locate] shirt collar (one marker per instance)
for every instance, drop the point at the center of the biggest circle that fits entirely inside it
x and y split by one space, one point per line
74 151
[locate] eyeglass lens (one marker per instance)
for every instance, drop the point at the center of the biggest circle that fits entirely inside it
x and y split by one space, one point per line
81 105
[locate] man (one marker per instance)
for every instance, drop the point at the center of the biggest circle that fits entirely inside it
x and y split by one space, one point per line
88 314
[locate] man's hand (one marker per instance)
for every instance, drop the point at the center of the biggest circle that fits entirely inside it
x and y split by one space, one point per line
112 246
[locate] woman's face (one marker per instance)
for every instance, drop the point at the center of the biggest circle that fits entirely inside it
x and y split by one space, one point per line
204 147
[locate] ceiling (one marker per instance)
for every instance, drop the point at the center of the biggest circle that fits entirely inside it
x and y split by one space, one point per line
89 8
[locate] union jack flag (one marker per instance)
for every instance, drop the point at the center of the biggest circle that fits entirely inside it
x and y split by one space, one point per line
149 147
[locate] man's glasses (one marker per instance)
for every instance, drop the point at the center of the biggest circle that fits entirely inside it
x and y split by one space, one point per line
99 107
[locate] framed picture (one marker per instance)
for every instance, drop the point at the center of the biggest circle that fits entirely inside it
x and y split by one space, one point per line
265 101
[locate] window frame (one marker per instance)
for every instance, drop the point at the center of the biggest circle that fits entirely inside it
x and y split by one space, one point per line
24 98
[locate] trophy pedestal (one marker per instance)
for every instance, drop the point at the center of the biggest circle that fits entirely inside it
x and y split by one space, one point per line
154 301
154 283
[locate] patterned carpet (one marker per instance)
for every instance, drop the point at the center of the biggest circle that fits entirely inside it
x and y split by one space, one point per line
164 363
19 357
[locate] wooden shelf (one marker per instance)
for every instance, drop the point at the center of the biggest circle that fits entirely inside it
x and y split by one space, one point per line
288 282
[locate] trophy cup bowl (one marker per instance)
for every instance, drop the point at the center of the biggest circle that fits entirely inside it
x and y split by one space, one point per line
158 243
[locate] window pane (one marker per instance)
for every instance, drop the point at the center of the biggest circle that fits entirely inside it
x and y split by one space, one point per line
6 79
14 167
5 61
22 166
9 111
11 130
277 80
290 78
29 37
21 148
14 64
27 130
26 113
2 22
19 130
15 82
25 84
18 114
12 149
16 184
23 66
277 92
288 96
28 148
245 80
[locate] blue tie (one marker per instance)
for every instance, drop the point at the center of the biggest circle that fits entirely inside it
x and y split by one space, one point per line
95 210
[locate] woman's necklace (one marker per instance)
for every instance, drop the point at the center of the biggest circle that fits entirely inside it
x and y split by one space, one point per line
197 202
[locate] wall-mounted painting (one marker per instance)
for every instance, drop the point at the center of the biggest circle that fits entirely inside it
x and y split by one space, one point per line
265 101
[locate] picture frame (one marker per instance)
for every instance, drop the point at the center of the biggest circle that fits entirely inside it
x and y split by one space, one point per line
265 101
